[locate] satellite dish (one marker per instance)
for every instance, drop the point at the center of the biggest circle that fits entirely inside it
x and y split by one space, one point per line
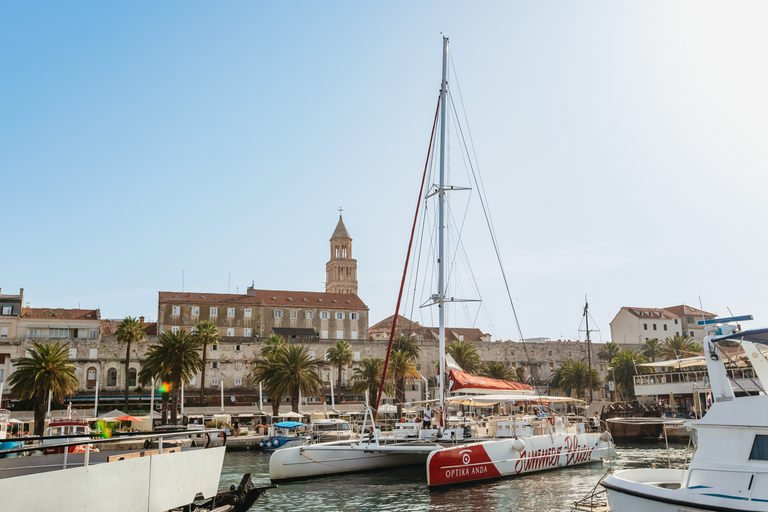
233 399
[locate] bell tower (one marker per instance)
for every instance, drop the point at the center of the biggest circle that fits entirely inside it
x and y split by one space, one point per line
341 270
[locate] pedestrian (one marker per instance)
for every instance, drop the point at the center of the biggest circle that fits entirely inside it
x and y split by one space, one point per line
596 421
427 422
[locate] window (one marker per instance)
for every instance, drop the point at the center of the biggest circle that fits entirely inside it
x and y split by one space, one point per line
93 334
324 315
311 355
550 353
214 365
654 327
238 365
34 333
339 335
131 377
214 312
353 335
551 366
230 331
247 332
175 310
215 346
175 329
645 327
193 381
247 312
58 333
230 312
91 374
4 332
238 348
357 356
72 353
665 327
461 337
195 310
278 313
354 316
294 314
759 448
93 353
238 381
690 319
323 335
570 353
691 334
7 309
111 377
308 315
339 316
214 381
675 321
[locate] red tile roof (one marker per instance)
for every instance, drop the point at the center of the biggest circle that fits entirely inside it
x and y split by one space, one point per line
67 314
683 310
269 298
414 329
109 327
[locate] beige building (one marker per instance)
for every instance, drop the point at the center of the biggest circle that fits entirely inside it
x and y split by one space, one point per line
635 326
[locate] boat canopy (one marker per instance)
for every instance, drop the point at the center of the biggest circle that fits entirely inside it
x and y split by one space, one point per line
754 335
289 424
461 380
503 399
686 362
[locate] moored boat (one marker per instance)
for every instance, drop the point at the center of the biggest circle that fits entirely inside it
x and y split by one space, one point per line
285 434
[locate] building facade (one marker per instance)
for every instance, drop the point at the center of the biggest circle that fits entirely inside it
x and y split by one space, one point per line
635 326
341 269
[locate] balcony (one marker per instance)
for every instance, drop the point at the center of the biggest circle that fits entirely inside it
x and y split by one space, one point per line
685 382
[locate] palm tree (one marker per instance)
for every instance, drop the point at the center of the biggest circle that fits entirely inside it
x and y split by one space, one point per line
339 355
261 371
679 345
608 351
402 369
206 333
272 345
651 348
367 377
575 375
45 370
292 371
499 370
624 368
129 331
175 357
407 344
466 355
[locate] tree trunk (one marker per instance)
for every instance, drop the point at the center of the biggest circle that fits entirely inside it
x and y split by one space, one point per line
175 395
275 405
295 401
400 394
40 407
127 367
202 378
164 419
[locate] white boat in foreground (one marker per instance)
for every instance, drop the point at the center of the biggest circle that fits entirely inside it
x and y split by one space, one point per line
137 480
729 470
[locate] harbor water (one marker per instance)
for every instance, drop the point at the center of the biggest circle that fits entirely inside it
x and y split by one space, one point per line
405 489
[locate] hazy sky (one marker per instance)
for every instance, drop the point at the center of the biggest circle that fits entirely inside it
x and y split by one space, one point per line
622 145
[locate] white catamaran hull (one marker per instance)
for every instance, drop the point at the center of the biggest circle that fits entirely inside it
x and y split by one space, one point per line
341 457
506 457
153 483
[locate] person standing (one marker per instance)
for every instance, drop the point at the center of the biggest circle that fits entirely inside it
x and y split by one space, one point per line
427 421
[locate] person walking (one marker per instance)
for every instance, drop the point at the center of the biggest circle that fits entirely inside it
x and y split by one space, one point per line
427 422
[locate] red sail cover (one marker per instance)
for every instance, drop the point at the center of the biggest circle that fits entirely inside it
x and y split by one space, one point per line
461 380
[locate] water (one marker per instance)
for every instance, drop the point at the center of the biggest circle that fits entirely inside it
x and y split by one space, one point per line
405 489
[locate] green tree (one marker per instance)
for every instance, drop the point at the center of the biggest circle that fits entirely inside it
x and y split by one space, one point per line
261 371
402 370
679 346
175 357
339 355
205 333
466 355
44 370
367 377
608 351
624 367
129 331
406 344
290 370
651 348
499 370
575 375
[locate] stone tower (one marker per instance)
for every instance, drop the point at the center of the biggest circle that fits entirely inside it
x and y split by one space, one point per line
341 270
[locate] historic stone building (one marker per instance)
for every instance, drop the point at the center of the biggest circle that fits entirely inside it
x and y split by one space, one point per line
341 270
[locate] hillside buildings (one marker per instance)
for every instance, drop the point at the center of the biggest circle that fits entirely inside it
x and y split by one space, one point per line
635 326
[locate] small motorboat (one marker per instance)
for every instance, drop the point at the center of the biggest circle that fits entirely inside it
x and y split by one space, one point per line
326 430
68 425
285 434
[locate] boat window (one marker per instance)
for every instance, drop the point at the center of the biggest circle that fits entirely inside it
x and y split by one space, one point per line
759 448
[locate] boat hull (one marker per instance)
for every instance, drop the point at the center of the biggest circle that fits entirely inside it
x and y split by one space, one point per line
153 483
339 457
513 456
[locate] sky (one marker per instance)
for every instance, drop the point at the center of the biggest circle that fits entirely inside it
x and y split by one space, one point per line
621 144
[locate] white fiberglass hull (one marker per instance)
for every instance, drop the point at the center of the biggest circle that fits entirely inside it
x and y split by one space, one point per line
497 458
342 457
153 483
641 490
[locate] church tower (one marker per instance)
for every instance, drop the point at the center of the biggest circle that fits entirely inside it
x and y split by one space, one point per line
341 270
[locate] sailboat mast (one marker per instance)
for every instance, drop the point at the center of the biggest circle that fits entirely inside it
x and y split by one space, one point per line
441 235
589 350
